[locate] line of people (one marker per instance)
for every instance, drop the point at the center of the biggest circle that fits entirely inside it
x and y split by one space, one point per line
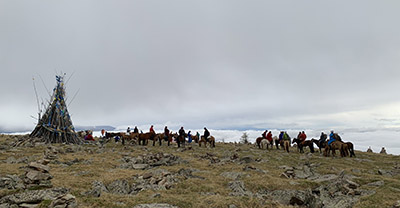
167 132
283 135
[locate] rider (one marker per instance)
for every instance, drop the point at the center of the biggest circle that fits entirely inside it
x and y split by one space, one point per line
166 133
206 134
322 138
286 136
269 136
331 138
128 130
264 135
181 135
136 130
281 135
152 129
303 136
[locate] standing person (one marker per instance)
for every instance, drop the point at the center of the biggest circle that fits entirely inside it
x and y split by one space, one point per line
136 130
206 134
189 135
280 139
181 136
198 136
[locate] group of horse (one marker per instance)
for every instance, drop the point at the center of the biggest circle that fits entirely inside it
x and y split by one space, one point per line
345 148
144 138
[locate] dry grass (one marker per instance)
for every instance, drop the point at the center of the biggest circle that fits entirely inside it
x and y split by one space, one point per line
104 166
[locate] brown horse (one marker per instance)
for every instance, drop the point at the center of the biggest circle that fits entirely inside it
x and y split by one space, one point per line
335 145
306 143
195 138
348 149
145 137
258 142
285 144
211 140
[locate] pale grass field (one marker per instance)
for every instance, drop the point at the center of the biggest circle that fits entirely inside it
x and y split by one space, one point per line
104 167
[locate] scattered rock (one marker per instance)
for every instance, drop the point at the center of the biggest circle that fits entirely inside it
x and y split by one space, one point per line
376 184
64 201
233 175
396 205
246 159
156 195
150 160
34 196
252 168
238 189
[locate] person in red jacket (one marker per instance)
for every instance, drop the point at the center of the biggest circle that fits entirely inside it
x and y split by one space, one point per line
303 137
269 136
151 129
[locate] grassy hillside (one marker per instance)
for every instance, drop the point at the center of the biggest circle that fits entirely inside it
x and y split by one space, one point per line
205 177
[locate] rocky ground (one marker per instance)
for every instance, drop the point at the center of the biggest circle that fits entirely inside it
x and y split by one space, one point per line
230 175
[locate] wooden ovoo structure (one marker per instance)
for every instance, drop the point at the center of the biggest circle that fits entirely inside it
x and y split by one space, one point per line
55 126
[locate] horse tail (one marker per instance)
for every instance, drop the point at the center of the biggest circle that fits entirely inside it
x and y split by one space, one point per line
312 147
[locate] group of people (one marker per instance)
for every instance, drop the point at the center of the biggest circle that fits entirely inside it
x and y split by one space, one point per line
283 135
323 137
167 132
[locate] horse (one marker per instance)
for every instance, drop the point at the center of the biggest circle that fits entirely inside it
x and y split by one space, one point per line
145 137
258 141
211 140
285 144
181 139
265 143
319 144
195 138
348 147
335 145
161 136
306 143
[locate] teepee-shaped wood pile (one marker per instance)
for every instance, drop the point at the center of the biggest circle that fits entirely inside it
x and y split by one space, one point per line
55 126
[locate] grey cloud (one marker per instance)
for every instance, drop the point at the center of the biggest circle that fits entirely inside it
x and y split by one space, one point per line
231 64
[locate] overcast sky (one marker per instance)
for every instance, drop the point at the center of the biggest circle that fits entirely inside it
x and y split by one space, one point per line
222 64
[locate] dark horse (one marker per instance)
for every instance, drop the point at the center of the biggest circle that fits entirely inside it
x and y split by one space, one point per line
307 143
348 147
320 145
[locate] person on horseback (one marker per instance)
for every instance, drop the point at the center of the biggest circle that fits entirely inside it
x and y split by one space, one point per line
166 133
286 136
264 135
181 135
189 135
281 136
322 138
136 130
269 136
152 129
331 138
303 137
206 134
